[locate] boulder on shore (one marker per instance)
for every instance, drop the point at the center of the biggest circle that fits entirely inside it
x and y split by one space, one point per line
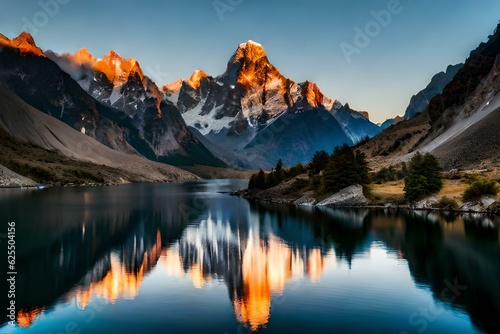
480 205
350 196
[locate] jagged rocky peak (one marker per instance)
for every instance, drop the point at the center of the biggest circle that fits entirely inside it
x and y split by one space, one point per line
172 87
314 97
84 56
250 67
25 43
195 80
251 93
250 51
366 114
25 37
338 105
111 79
419 102
118 69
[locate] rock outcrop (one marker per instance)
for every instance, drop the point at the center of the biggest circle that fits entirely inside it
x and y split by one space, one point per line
10 179
350 196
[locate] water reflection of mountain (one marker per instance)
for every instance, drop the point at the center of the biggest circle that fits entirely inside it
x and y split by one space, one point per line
459 258
254 249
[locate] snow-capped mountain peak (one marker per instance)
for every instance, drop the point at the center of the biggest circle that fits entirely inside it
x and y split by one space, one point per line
251 44
112 80
252 94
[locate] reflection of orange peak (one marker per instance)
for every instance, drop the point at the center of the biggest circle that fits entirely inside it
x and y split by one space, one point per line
118 282
315 265
25 43
266 269
25 318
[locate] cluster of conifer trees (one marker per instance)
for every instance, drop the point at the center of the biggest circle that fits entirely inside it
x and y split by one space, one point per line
328 173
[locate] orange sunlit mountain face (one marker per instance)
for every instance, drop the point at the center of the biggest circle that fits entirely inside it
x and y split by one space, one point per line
116 68
255 68
24 43
195 80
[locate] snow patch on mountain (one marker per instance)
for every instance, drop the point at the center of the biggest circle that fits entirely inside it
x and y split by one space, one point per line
207 123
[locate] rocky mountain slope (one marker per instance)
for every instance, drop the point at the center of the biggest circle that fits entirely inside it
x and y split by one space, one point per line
234 108
50 137
9 179
420 101
391 121
134 121
478 146
465 111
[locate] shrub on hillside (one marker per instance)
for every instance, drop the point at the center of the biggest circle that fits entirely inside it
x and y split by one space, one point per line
297 186
447 203
479 187
295 170
387 174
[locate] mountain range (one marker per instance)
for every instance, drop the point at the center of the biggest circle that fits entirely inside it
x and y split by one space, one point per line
153 128
247 117
255 111
421 100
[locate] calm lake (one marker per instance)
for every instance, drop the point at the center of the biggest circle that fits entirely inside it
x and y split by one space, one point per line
189 258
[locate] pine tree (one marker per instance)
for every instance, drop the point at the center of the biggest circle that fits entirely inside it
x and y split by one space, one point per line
318 162
280 173
260 181
422 176
253 182
271 180
345 168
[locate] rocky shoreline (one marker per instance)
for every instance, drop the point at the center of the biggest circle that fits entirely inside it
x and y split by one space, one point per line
353 197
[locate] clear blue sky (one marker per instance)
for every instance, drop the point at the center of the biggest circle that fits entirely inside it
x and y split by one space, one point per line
302 38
